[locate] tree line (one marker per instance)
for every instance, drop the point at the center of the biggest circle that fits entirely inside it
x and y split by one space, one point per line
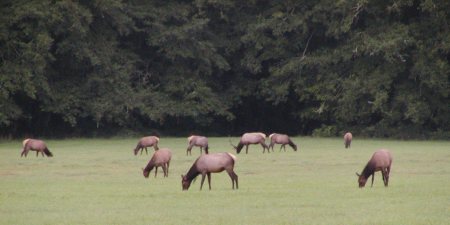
112 67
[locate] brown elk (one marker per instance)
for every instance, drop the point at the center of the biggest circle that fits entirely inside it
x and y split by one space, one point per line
160 158
210 163
251 138
348 139
145 142
381 161
35 145
282 139
199 141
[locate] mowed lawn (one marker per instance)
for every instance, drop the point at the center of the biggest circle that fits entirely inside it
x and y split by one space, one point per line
100 181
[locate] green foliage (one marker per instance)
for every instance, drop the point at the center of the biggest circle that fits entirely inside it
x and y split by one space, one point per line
112 65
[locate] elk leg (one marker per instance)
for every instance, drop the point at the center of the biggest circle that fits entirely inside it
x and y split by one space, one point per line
203 180
246 149
264 148
42 152
373 177
234 178
164 167
156 171
190 149
386 177
168 163
388 171
146 152
209 180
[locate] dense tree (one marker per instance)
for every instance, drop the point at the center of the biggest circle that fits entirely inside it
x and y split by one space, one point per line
378 68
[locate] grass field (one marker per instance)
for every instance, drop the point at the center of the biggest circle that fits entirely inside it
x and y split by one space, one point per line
100 181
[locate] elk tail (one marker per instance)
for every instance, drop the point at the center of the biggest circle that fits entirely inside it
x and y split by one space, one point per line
190 138
232 156
48 153
25 142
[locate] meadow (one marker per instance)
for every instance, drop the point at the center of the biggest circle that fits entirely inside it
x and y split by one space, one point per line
100 181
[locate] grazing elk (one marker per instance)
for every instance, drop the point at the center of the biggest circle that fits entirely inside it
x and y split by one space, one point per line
210 163
282 139
251 138
198 141
35 145
160 158
348 139
381 161
145 142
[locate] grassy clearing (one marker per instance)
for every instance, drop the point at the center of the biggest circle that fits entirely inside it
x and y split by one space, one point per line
99 181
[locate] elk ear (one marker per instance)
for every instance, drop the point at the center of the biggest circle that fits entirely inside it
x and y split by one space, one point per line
357 174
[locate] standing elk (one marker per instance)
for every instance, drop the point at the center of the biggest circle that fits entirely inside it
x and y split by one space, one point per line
381 161
160 158
251 138
198 141
35 145
282 139
348 139
145 142
210 163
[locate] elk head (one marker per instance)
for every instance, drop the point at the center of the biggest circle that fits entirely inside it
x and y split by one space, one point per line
361 180
185 183
146 173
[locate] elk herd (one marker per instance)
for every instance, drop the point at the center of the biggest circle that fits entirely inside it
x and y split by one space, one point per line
207 163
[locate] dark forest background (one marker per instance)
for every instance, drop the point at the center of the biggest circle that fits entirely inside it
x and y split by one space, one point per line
93 68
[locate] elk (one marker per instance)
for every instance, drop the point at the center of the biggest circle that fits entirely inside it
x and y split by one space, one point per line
199 141
251 138
160 158
381 161
145 142
282 139
210 163
35 145
348 139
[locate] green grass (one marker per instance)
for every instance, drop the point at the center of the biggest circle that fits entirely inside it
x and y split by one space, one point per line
99 181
